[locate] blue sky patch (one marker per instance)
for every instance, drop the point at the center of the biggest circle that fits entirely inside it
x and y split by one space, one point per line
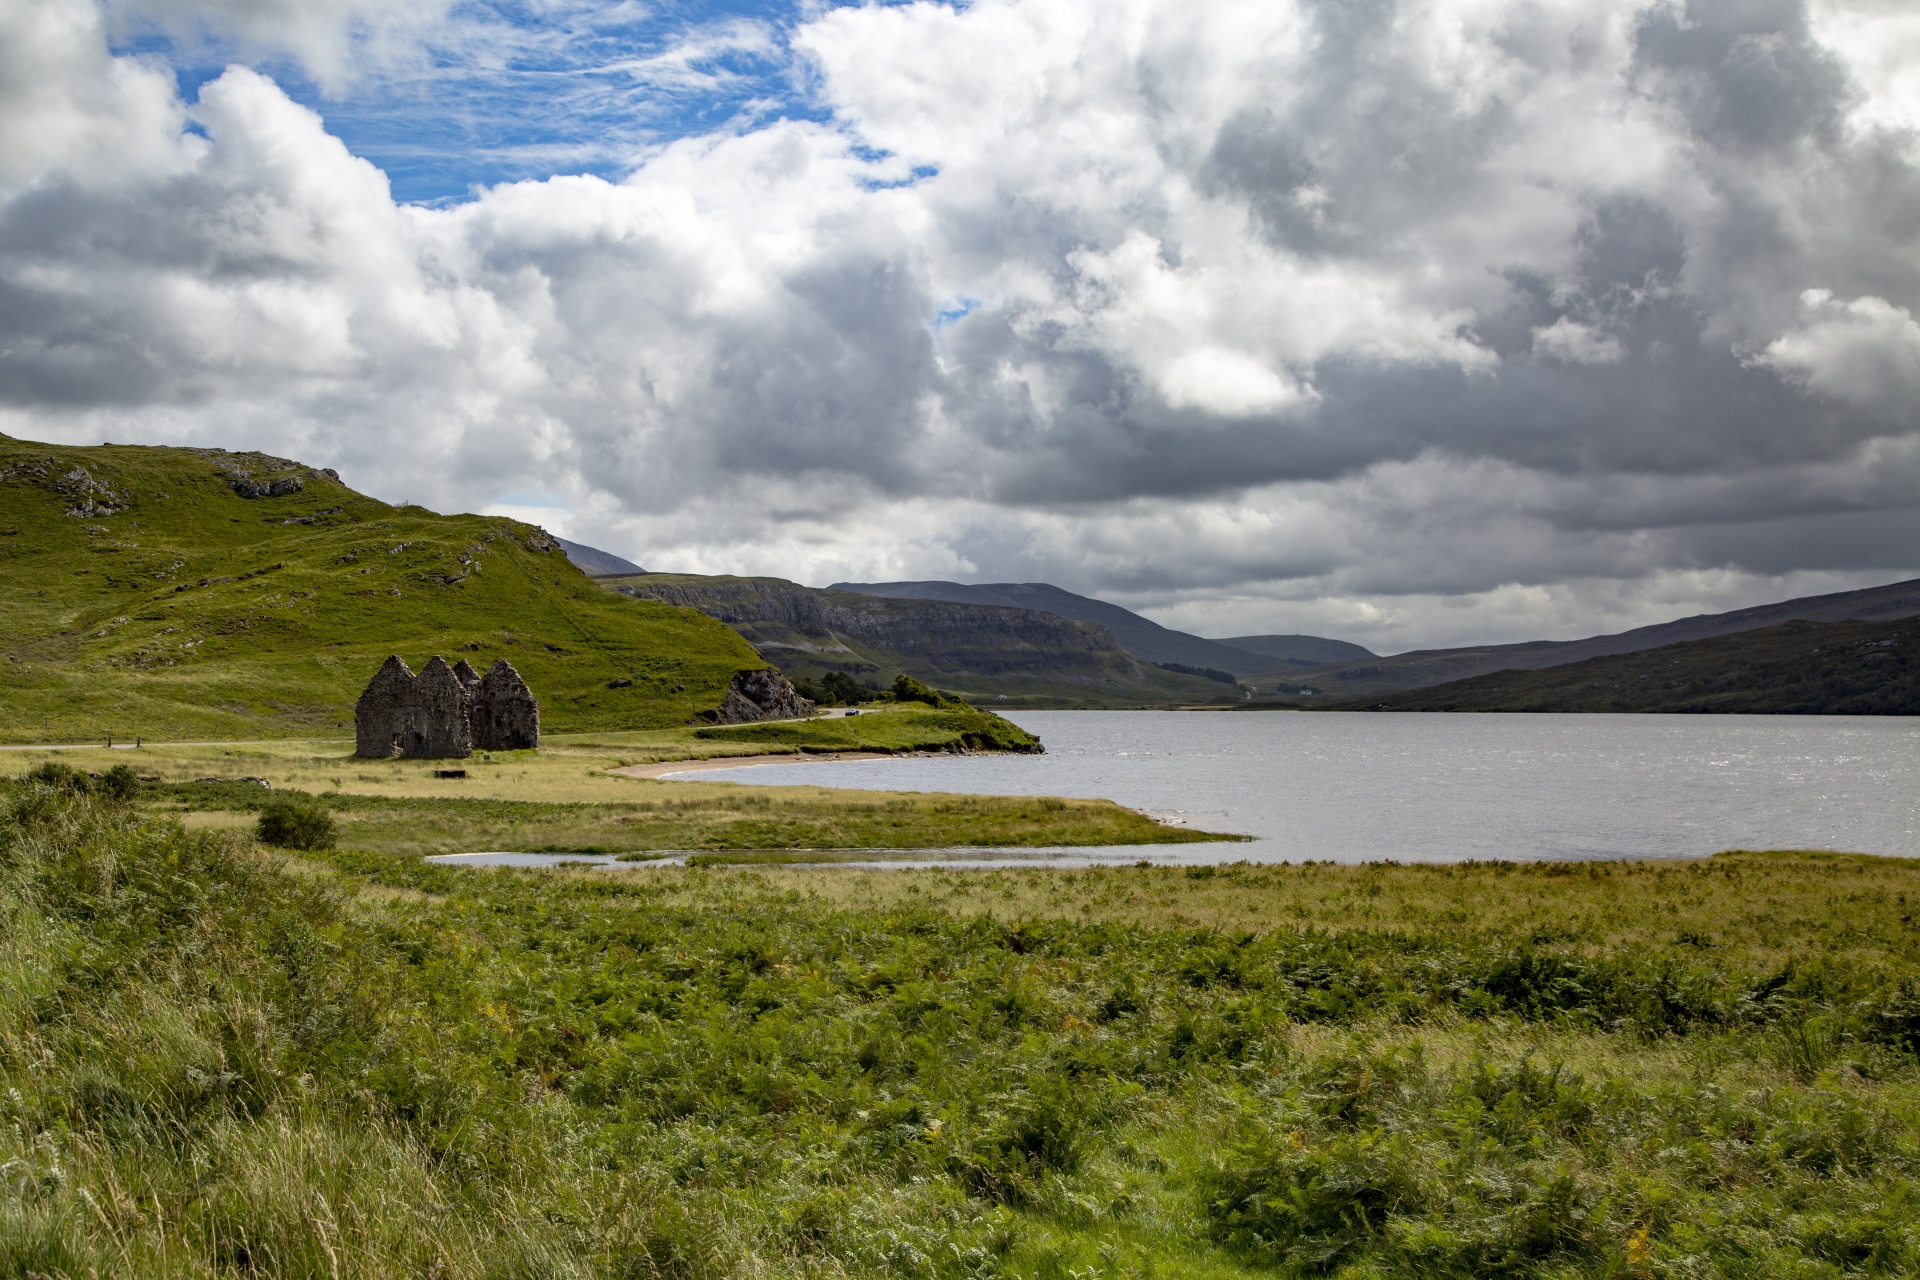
505 91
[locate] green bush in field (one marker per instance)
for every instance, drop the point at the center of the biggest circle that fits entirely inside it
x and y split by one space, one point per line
118 783
61 777
289 822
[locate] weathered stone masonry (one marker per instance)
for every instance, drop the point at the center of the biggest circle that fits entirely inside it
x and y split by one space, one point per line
444 711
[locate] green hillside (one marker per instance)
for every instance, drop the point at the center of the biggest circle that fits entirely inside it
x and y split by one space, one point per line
148 595
1800 668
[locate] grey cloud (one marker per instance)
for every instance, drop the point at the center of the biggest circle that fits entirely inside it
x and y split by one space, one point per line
1746 73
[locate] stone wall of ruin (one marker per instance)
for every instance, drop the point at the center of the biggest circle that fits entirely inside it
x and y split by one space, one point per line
504 714
444 712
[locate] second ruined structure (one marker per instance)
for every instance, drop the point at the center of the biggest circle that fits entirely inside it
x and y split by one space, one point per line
445 711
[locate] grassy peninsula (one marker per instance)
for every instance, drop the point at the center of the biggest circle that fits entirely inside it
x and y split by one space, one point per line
218 1061
570 796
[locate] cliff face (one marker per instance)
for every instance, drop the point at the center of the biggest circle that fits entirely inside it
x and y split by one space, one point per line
983 649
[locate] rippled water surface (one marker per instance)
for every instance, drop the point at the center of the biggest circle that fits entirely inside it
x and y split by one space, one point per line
1438 787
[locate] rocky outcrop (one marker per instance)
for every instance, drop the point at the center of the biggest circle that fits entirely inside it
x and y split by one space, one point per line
92 499
280 488
760 695
444 712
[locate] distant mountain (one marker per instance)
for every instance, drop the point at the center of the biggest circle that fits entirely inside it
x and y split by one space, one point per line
985 651
1136 634
1804 668
1303 651
1429 667
594 562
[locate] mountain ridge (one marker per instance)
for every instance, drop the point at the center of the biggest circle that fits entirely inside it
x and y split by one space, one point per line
1790 668
1427 668
994 652
1300 650
1140 636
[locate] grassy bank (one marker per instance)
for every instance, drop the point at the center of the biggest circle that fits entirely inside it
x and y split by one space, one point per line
557 769
218 1063
565 798
714 817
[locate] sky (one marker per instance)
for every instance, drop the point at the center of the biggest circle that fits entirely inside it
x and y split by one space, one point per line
1410 322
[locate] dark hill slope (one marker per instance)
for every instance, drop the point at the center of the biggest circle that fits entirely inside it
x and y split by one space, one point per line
982 651
1803 668
1428 667
1300 651
147 594
1137 635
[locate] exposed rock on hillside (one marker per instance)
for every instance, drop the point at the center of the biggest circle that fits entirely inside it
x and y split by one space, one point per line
761 695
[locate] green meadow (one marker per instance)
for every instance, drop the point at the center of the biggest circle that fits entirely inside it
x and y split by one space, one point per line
221 1060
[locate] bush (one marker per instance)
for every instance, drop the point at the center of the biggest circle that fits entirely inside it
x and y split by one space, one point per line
290 822
119 783
907 689
61 777
836 689
1047 1130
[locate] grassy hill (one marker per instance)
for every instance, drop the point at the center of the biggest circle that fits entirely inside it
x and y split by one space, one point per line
149 594
1806 668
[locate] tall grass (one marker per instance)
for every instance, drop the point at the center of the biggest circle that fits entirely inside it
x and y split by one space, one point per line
217 1062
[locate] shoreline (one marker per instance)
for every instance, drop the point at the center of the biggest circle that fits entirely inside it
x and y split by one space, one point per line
706 764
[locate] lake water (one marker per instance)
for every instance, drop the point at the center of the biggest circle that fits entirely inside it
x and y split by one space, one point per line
1420 788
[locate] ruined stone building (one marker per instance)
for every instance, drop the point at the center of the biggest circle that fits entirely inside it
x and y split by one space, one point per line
445 711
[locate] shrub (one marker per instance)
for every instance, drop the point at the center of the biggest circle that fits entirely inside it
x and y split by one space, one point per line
845 691
290 822
907 689
836 689
119 783
61 777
